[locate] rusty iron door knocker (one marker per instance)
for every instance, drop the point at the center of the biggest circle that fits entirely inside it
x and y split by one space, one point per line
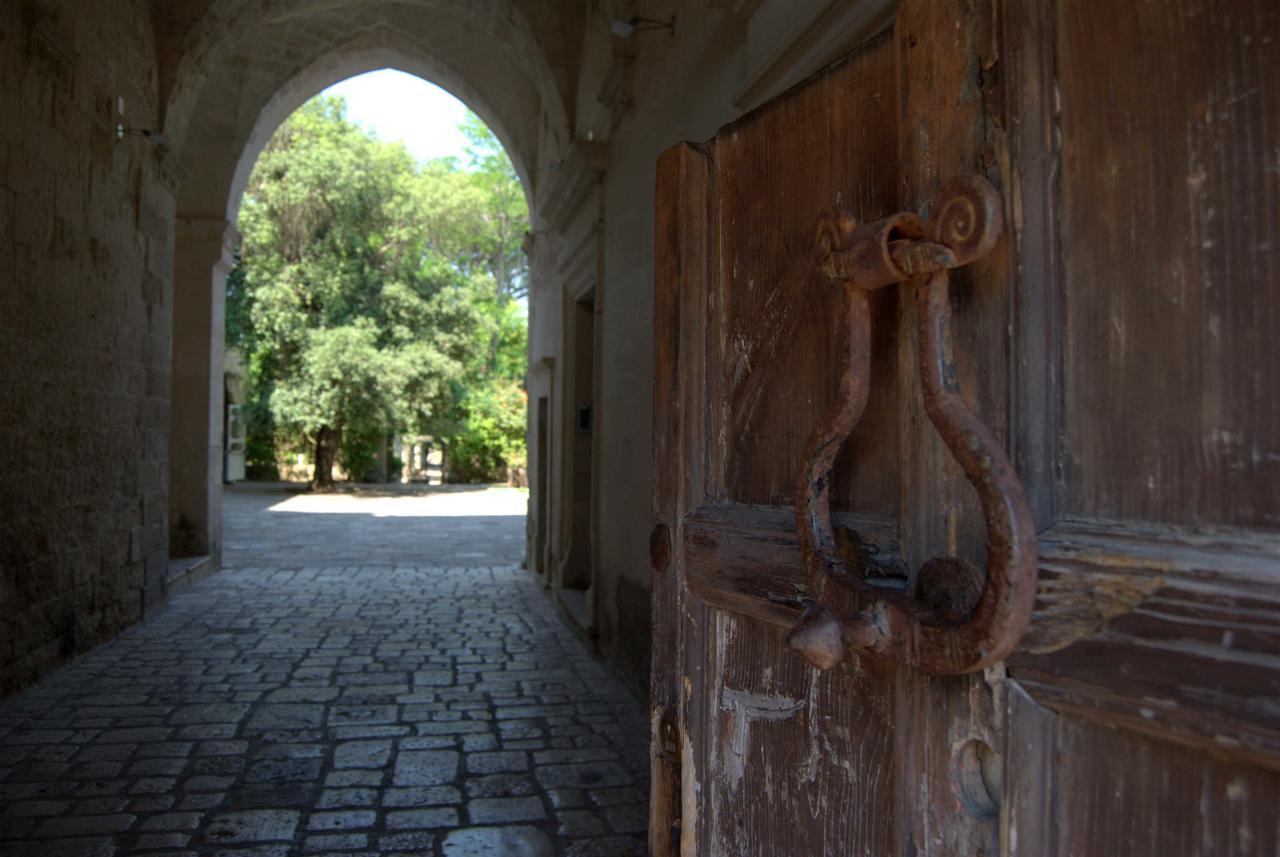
964 619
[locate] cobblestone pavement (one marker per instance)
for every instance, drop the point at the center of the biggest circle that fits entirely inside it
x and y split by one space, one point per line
271 711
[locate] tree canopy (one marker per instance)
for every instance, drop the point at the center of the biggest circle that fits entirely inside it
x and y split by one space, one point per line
376 295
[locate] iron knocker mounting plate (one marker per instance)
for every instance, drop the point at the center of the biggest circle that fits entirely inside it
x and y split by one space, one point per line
944 631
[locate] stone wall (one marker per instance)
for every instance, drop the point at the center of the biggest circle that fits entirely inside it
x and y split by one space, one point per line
85 246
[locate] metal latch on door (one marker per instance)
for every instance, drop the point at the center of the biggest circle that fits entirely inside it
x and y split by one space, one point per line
942 631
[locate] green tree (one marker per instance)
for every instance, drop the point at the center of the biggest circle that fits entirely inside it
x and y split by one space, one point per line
378 295
499 242
478 218
356 325
491 223
493 435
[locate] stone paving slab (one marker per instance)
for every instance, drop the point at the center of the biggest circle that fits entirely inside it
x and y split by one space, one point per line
333 709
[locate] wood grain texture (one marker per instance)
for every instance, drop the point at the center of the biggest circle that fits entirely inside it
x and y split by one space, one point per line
747 558
1167 631
686 227
830 144
697 710
1029 818
797 760
801 759
1025 141
1170 204
1116 342
1122 794
943 133
682 250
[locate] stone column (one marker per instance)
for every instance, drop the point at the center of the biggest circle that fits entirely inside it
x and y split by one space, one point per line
203 256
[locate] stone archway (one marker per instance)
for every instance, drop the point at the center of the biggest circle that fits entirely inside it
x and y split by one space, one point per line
220 115
350 61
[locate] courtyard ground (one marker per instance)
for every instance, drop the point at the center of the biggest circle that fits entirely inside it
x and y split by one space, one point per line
371 673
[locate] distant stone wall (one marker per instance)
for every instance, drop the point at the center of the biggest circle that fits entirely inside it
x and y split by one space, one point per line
85 245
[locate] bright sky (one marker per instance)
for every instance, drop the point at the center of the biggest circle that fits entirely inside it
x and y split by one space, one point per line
399 106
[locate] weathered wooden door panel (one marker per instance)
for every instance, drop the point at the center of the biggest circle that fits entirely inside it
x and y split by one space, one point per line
775 757
1117 340
831 144
1150 679
765 779
784 741
1170 178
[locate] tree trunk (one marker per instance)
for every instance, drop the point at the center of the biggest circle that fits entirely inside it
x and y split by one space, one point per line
500 277
328 441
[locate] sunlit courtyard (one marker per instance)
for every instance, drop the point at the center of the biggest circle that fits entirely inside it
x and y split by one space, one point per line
269 525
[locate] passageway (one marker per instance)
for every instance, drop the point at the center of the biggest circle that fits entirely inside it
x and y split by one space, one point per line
425 699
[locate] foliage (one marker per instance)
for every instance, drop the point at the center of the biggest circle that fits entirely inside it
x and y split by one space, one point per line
239 325
359 451
375 295
476 212
260 460
494 437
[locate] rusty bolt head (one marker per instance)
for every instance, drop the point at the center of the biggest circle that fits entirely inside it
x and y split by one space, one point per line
818 638
864 631
951 587
668 736
660 547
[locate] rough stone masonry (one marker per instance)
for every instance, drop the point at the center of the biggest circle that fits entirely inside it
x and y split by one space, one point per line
85 303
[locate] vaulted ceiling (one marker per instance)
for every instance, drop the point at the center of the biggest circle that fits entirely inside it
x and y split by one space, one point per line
232 70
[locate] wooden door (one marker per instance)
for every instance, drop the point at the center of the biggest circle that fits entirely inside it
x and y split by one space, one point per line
1119 341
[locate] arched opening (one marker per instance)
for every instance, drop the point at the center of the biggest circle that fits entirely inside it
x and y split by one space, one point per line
344 66
378 293
204 254
223 147
505 60
502 60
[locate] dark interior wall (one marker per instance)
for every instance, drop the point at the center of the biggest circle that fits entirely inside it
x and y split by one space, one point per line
85 296
578 570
